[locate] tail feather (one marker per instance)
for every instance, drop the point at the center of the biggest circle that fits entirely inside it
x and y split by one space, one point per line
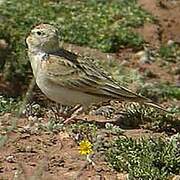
157 106
121 93
149 102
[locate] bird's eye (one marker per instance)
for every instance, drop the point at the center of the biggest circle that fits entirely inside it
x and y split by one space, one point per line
39 33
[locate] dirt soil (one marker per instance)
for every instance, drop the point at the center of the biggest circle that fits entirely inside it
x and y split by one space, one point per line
55 155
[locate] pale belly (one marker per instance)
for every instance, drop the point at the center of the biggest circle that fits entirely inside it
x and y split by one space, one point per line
67 96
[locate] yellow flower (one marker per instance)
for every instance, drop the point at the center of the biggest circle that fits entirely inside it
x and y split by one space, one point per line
85 147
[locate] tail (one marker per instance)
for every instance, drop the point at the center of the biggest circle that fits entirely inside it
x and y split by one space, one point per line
157 106
121 93
149 102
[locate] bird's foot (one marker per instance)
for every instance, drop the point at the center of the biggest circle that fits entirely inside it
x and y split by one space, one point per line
77 110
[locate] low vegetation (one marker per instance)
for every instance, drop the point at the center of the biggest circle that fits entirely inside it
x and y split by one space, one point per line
154 158
170 52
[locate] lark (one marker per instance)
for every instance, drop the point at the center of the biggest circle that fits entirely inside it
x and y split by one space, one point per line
71 79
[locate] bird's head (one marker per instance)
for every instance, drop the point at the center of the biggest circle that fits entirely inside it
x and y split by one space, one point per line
43 37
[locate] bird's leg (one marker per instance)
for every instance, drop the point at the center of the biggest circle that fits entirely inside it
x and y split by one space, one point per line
75 112
59 111
75 108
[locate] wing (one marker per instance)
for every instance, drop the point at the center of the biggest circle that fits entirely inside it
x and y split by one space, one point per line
79 73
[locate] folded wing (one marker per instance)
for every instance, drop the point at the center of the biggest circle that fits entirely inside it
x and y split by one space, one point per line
67 70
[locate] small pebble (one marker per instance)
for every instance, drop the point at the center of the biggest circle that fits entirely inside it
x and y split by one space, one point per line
143 57
170 42
177 177
32 118
29 149
3 44
10 159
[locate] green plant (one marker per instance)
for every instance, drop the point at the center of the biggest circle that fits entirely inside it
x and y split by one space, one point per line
151 158
83 130
134 115
7 105
51 126
160 91
3 140
170 52
113 129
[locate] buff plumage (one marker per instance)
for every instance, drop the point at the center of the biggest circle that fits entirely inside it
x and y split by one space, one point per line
71 79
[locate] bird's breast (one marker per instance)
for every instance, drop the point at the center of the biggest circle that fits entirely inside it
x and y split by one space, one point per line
37 60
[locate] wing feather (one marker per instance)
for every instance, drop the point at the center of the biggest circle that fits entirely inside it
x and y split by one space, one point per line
69 71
